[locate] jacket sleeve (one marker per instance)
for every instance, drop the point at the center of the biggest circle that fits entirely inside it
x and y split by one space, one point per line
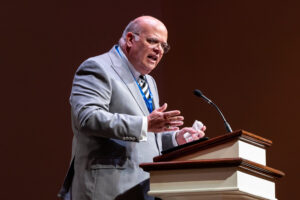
90 99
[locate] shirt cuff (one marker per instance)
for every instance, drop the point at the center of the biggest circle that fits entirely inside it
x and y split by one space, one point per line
174 139
143 136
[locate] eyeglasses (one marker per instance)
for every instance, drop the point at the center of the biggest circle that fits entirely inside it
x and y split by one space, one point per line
153 42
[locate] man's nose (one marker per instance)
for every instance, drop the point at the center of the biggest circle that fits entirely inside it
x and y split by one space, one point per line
158 48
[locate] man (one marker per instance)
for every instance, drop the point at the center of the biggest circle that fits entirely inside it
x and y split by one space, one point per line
116 118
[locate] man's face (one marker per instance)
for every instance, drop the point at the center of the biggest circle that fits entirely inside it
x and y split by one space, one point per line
145 47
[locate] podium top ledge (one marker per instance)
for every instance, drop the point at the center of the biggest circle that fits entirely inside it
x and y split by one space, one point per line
236 135
214 163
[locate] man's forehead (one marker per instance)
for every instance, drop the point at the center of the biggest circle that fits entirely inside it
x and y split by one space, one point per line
158 30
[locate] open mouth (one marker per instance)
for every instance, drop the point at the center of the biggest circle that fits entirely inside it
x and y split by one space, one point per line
153 57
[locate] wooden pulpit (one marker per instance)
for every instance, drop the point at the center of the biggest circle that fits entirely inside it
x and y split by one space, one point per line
228 167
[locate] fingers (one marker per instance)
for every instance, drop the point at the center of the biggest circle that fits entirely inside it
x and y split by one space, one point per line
176 118
170 128
159 120
192 137
189 130
196 136
198 133
174 123
170 114
189 134
171 123
162 108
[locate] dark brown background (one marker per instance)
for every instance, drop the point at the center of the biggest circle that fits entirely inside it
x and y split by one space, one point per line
242 54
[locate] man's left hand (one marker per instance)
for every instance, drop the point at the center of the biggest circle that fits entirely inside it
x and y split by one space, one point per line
193 135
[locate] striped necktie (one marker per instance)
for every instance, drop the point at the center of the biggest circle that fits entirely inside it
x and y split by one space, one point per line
144 86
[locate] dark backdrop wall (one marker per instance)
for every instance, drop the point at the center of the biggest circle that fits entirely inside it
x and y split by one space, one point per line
242 54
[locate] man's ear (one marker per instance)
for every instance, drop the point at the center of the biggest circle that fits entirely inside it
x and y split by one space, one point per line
129 39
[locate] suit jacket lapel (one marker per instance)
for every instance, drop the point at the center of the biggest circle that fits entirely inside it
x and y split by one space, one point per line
124 73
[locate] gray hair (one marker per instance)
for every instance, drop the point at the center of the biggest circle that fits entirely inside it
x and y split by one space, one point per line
133 26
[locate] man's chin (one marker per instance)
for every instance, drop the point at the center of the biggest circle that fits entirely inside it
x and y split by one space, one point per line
149 69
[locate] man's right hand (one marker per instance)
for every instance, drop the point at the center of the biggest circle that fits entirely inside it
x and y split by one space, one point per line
160 121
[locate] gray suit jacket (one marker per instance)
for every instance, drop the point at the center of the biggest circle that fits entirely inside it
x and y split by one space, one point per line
107 111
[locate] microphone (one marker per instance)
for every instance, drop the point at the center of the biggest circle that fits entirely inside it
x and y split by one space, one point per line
198 93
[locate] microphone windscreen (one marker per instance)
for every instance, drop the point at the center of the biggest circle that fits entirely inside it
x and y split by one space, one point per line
198 93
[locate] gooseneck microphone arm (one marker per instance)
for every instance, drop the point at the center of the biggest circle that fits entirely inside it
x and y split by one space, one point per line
198 93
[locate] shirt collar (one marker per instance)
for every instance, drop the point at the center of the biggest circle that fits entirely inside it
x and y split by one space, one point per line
134 72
